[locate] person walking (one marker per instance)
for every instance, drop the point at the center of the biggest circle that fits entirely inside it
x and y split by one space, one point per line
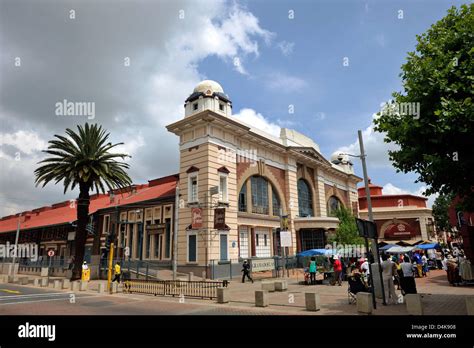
408 279
389 270
337 270
312 270
117 272
246 270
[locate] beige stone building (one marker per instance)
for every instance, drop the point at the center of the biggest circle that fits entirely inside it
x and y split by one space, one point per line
256 177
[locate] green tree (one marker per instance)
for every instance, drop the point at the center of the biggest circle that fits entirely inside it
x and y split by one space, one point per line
440 211
437 143
83 159
346 232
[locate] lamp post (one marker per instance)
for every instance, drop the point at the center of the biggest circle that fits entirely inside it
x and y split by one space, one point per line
362 157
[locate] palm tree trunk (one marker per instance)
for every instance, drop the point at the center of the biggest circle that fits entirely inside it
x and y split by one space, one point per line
81 233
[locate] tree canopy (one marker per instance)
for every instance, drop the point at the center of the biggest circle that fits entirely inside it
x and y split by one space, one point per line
437 142
347 232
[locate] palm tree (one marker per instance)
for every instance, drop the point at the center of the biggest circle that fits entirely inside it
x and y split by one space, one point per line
83 159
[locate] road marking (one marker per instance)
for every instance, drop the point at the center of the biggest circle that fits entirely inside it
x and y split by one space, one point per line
11 291
34 295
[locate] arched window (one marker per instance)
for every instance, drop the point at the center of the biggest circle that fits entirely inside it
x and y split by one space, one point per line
305 199
259 186
333 205
276 205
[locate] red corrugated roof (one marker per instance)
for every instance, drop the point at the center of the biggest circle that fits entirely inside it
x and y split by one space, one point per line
64 212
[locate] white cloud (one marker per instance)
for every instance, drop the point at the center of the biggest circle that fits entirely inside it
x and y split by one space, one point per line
25 141
136 102
286 47
390 189
257 120
375 148
286 83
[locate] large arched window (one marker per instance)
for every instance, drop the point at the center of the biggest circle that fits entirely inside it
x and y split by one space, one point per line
259 186
260 197
305 199
333 205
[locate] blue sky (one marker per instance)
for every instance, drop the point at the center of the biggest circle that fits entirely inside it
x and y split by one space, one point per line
333 100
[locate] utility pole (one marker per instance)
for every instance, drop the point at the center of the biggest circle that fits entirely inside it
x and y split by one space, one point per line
371 217
16 244
175 235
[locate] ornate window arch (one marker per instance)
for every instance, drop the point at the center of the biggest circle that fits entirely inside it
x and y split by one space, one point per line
334 204
305 199
260 196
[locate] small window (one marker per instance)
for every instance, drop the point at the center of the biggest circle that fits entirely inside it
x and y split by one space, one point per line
221 107
193 189
195 106
223 247
223 188
192 248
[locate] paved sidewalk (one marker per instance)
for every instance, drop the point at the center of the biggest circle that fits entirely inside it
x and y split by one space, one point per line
439 298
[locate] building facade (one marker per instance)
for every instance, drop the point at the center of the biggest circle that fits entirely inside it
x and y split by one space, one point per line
401 217
254 179
238 187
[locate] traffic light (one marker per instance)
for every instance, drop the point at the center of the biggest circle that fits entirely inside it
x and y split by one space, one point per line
367 229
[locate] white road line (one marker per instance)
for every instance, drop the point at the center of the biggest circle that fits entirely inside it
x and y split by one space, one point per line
34 295
20 302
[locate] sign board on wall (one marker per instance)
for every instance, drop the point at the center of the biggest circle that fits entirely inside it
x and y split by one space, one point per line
219 218
259 265
196 216
285 238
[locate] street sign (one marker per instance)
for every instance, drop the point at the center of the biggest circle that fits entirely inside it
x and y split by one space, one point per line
214 190
50 253
285 238
367 229
219 218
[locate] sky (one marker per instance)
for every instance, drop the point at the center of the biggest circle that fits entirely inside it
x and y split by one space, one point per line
320 67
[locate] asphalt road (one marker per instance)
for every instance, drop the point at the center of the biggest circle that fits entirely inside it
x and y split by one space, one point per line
11 294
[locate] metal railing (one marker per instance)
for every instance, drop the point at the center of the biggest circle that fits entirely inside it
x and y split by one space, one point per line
199 289
140 268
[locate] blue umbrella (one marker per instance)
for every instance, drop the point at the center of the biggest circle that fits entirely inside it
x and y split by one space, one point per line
315 252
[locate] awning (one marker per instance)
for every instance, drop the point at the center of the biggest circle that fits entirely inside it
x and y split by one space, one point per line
400 249
315 252
388 246
427 246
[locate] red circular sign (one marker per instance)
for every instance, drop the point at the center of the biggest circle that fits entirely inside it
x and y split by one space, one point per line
50 253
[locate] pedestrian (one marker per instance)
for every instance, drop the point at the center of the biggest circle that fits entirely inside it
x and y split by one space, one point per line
365 270
118 272
389 270
337 270
408 279
71 262
312 270
439 258
424 263
246 270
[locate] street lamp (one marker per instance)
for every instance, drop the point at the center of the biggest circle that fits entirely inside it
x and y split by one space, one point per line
362 157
